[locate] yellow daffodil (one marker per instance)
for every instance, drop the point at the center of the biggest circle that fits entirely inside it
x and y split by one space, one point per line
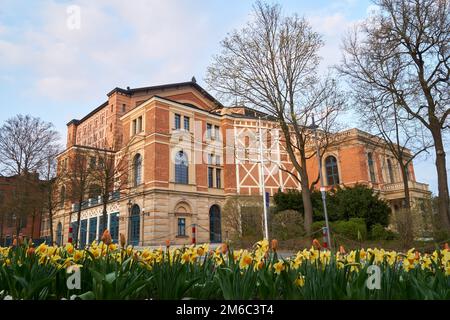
279 267
300 281
246 260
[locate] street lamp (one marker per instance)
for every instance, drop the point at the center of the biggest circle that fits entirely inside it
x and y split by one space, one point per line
263 186
314 127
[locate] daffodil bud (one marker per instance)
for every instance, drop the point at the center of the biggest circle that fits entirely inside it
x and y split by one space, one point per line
106 237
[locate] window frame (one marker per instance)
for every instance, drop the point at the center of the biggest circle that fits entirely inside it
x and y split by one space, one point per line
334 174
181 177
181 227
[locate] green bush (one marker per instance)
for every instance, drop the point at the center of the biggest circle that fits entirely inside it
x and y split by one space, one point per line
317 225
378 232
358 201
354 229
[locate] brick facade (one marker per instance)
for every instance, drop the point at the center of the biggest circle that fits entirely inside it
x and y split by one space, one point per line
222 152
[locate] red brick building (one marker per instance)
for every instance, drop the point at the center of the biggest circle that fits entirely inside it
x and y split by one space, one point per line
187 154
28 223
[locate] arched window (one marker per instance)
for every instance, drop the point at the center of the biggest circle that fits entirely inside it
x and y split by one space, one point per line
62 196
181 168
331 169
391 172
137 170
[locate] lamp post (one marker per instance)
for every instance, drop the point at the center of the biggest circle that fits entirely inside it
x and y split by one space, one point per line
129 205
263 186
314 127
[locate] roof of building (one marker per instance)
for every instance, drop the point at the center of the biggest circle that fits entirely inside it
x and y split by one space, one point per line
131 91
77 122
194 84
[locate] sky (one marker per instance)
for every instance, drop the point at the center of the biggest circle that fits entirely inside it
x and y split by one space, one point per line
57 70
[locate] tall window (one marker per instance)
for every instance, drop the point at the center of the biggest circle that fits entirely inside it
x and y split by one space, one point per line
208 130
137 170
134 127
62 196
139 125
390 171
186 123
218 178
210 177
216 132
331 171
371 166
181 226
177 121
181 168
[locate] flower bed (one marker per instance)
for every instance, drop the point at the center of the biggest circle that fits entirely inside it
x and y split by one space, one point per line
108 271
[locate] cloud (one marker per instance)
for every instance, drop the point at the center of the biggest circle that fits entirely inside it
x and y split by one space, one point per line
147 42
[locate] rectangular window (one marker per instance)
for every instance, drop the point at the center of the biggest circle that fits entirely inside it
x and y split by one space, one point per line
208 130
182 227
139 124
92 229
124 108
217 160
371 166
218 178
186 123
210 177
210 158
217 132
177 121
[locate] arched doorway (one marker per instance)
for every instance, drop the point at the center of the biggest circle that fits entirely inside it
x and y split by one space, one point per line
215 224
134 227
59 234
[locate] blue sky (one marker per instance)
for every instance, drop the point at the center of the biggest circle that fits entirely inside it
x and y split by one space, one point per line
58 74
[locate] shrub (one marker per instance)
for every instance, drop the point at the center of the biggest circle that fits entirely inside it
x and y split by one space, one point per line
378 232
287 225
317 225
352 229
342 203
360 202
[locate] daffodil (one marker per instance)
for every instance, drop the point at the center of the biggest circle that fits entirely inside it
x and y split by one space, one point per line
246 260
300 281
279 267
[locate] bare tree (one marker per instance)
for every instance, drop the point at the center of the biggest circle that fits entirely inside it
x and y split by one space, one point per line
24 142
51 188
78 176
403 50
110 175
402 137
271 64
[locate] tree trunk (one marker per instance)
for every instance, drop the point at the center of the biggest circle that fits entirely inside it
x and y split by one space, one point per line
407 219
444 210
306 194
33 219
75 232
2 219
307 207
104 225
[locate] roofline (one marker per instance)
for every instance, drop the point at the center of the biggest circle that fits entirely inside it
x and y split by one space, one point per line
167 86
78 146
155 97
90 114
